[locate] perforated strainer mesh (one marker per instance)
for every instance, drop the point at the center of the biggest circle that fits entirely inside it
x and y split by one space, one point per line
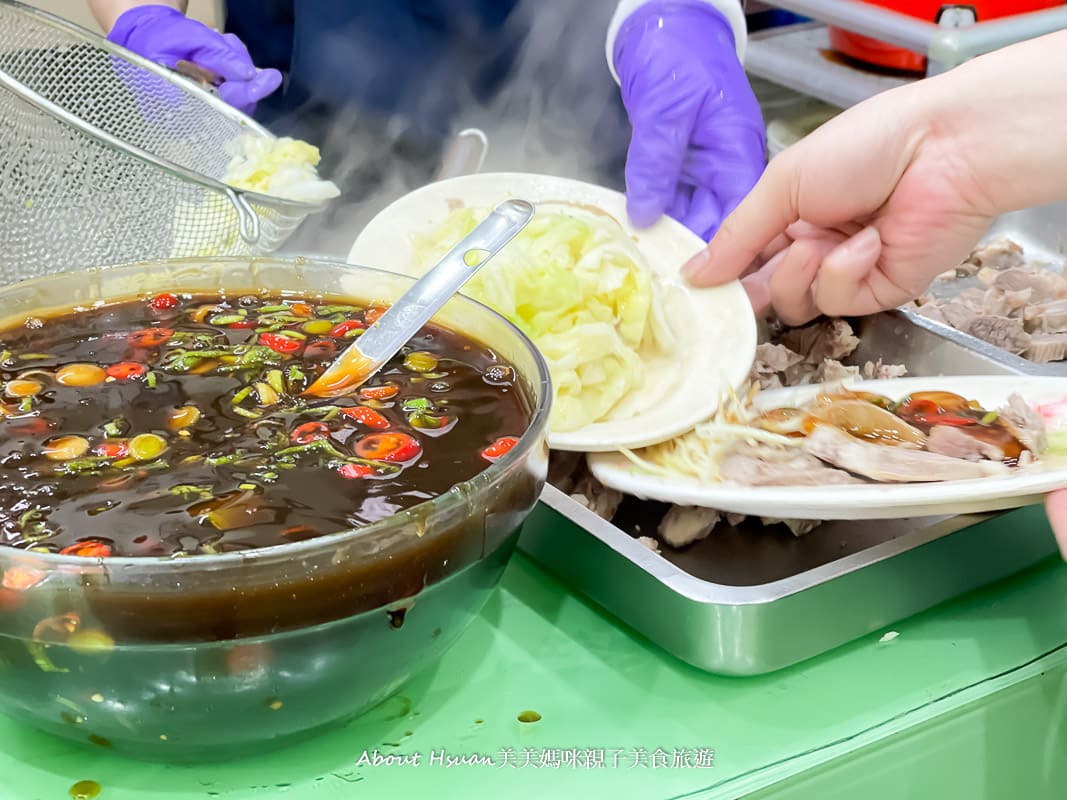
105 158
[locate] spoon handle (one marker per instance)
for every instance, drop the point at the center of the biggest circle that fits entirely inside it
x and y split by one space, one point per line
415 308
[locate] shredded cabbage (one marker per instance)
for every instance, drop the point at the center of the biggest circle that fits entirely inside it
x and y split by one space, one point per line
579 288
281 167
699 452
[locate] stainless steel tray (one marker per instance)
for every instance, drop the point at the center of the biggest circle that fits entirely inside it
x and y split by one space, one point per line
754 599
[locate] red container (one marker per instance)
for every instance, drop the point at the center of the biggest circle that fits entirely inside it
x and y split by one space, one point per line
872 51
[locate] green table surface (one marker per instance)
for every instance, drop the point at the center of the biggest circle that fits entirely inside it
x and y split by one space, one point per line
601 688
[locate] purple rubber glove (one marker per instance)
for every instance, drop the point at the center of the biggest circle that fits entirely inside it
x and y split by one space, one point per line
166 36
699 143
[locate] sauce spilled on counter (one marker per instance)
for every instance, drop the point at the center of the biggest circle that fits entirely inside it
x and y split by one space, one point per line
529 716
84 790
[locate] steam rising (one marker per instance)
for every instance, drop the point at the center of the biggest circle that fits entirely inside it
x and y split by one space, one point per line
557 111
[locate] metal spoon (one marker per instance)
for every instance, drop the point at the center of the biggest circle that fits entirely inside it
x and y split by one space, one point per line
417 305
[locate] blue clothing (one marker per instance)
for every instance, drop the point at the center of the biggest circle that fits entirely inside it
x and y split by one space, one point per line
416 60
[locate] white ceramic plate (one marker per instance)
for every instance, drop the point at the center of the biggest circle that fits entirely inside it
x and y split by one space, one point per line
715 329
864 501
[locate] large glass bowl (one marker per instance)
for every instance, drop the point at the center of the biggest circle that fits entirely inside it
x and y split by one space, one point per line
212 656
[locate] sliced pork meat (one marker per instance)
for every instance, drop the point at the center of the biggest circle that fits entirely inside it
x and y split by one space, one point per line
764 465
1024 424
887 464
957 443
877 371
1045 285
599 499
1049 317
1046 347
683 525
999 254
1006 333
933 311
831 338
831 371
959 315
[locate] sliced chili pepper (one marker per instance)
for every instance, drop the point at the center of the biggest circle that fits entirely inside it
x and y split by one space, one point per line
499 448
149 337
279 343
388 447
373 314
366 416
245 323
913 405
28 427
126 370
20 579
353 471
383 392
164 301
112 449
309 432
87 549
342 328
301 309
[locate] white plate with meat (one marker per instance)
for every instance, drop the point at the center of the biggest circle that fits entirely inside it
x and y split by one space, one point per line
884 449
636 355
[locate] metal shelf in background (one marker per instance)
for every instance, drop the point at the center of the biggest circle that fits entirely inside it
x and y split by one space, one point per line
799 57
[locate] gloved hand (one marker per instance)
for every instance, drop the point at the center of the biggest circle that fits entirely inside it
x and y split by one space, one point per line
166 36
699 143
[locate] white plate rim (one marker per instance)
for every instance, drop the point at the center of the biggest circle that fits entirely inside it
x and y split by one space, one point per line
380 245
858 501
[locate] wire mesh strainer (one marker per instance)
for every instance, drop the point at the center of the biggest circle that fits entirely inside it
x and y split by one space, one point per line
107 158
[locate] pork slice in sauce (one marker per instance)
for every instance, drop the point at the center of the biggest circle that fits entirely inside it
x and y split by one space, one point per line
958 443
887 464
1024 424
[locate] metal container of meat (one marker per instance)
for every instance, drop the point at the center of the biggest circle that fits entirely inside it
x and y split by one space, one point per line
752 599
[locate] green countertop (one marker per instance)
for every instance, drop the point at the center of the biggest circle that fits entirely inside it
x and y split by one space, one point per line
971 697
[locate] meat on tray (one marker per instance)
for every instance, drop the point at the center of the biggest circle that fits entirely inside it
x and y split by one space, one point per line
1018 306
813 353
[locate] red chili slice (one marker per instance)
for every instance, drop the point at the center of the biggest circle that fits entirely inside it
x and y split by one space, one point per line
301 309
912 406
112 449
245 323
366 416
19 579
499 448
343 328
309 432
126 370
373 314
397 447
353 471
87 549
164 301
279 343
383 392
28 427
149 337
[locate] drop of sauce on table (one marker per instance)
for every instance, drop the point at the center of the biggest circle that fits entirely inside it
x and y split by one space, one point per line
529 716
84 790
